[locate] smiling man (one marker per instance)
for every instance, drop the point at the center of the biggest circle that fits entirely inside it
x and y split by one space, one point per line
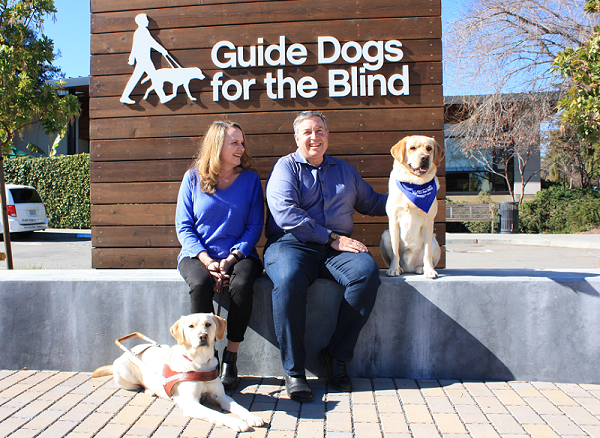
311 198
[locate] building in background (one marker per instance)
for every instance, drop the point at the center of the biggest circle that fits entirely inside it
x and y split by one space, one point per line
77 138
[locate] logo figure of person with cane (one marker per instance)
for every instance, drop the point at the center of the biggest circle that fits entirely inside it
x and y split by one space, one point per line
143 43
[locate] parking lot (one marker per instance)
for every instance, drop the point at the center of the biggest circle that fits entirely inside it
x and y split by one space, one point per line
71 249
52 249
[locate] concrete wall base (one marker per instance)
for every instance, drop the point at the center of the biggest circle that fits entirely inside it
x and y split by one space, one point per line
469 324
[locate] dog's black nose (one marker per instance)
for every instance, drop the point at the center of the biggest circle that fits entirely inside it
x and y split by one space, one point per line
424 159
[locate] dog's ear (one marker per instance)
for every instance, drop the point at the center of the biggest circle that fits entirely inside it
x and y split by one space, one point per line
398 151
439 153
221 324
177 331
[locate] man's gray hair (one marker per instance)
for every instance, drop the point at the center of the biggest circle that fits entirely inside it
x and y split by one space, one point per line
306 115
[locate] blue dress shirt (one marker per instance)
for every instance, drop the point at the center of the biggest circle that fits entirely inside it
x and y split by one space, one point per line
312 201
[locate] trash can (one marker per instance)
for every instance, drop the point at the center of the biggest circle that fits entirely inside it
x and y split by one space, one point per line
508 216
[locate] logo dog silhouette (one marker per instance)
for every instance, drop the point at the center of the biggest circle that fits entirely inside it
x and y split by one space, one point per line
176 76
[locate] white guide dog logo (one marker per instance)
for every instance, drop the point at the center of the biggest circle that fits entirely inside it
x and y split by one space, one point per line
143 43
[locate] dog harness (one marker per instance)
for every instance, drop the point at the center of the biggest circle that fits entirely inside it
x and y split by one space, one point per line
173 377
422 196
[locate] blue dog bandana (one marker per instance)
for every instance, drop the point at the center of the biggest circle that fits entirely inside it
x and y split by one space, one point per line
422 196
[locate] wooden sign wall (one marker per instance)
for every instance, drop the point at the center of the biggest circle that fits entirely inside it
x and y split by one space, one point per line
139 152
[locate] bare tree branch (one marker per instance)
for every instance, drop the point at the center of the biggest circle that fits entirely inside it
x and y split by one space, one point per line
508 45
497 130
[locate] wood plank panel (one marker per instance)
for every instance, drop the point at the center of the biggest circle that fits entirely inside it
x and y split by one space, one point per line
136 236
340 144
344 30
109 107
166 192
420 74
134 258
182 16
98 6
134 214
339 121
173 170
134 193
415 50
137 171
163 215
166 258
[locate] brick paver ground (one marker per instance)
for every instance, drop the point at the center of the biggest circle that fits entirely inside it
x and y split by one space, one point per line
51 404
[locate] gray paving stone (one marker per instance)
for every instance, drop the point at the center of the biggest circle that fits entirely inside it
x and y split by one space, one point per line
72 405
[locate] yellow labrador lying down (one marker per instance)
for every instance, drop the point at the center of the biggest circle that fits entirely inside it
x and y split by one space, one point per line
191 372
409 245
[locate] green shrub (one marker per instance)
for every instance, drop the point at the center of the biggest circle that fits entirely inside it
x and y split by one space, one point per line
63 183
560 210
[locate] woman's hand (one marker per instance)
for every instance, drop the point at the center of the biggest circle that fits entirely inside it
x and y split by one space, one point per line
214 269
224 267
218 270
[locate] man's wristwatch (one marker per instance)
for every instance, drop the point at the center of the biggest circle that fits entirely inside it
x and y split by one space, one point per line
332 237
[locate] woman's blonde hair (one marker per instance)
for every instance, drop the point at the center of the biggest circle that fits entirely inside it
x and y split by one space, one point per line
208 159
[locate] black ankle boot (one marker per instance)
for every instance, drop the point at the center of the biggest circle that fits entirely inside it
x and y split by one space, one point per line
229 373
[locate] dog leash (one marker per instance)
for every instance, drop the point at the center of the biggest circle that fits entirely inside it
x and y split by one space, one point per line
134 357
221 291
171 60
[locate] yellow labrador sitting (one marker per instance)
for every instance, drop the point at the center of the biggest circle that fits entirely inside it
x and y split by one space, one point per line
182 365
409 245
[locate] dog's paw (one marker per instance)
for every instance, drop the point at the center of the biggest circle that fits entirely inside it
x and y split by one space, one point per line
394 272
237 425
430 273
253 420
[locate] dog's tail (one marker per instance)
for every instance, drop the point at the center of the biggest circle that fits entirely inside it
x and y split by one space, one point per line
106 370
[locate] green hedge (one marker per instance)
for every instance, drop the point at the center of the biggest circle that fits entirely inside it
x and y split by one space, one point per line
560 210
555 210
63 183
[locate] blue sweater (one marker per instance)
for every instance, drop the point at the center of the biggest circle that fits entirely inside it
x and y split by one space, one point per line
229 219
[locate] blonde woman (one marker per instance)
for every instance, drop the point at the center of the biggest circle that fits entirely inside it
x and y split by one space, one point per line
219 219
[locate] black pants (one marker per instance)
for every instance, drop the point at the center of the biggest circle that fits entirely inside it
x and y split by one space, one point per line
241 291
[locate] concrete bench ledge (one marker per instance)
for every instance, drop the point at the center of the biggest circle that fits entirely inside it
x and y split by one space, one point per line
468 324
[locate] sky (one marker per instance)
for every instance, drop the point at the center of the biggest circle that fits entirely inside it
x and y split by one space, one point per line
71 34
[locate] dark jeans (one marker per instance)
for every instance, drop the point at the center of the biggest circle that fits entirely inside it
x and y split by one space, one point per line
293 266
241 291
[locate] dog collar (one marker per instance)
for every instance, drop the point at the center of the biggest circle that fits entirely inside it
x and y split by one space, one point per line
173 377
422 196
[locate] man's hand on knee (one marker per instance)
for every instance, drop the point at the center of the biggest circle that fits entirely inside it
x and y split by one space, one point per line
347 244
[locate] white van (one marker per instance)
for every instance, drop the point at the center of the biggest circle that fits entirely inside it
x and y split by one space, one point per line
26 210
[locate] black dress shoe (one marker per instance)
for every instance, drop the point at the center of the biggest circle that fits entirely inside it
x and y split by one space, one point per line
298 389
337 376
229 372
